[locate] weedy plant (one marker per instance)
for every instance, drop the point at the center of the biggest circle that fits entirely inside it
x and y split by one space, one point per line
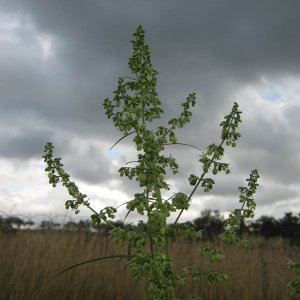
134 106
294 285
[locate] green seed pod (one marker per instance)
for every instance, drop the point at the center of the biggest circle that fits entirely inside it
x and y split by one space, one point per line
143 178
173 139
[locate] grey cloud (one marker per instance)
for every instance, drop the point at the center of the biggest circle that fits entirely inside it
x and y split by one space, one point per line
273 192
90 165
24 144
213 48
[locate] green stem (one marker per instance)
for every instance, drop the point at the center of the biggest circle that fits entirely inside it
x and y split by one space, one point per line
149 225
106 222
171 294
204 173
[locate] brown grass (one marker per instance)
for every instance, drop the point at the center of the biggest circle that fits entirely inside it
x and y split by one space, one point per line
28 259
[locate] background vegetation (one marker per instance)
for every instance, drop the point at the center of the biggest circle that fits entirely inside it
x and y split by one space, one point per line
211 222
30 257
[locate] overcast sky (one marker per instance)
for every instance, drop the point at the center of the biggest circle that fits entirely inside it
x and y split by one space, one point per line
60 59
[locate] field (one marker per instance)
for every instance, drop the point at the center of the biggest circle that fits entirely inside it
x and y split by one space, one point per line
27 259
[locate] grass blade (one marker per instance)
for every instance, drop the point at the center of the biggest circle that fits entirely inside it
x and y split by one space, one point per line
78 265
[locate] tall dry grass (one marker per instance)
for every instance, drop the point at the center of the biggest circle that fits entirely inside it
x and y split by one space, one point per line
28 259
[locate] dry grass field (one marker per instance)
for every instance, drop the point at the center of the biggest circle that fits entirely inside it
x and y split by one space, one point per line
27 259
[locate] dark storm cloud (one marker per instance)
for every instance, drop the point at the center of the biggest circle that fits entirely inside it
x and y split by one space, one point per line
91 164
214 48
24 144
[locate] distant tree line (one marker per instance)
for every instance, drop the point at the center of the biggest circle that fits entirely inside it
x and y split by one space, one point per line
210 224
